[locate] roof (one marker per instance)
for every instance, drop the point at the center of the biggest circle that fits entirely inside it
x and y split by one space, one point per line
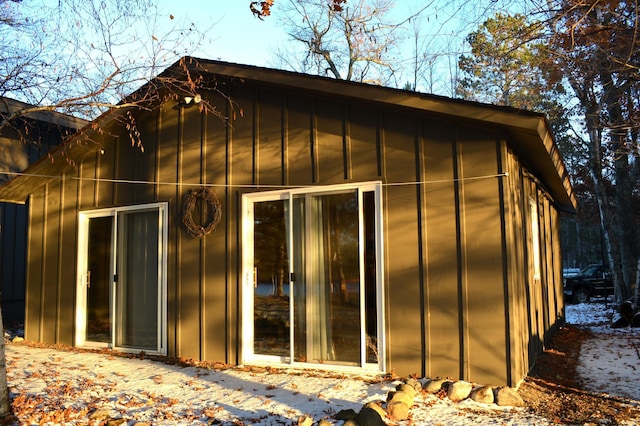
11 106
529 131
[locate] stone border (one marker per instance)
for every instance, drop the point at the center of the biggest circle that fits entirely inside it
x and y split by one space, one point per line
400 401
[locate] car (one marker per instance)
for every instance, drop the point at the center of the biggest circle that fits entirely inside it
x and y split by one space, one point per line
593 281
570 272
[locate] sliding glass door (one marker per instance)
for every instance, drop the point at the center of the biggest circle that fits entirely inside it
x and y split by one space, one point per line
313 291
121 287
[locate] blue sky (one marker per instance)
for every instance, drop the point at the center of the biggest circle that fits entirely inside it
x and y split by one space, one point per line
235 35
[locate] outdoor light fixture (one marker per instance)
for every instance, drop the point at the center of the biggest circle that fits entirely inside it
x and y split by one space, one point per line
195 99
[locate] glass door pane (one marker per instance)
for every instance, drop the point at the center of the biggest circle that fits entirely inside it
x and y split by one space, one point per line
271 306
370 274
327 308
137 284
98 279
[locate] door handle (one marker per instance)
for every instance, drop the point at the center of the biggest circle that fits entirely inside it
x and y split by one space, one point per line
88 278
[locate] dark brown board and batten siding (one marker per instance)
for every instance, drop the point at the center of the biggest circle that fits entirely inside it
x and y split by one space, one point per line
23 140
460 297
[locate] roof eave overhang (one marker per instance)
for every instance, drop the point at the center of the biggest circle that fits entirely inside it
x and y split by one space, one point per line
60 161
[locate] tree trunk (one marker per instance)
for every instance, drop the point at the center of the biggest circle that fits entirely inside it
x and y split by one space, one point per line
5 407
610 249
636 290
591 108
611 98
280 270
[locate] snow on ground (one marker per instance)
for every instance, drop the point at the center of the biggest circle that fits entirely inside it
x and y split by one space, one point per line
610 362
159 393
144 390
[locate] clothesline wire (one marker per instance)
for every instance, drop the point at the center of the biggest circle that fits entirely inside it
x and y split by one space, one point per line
254 186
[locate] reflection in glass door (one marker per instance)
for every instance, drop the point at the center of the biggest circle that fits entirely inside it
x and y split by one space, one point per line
327 294
98 280
137 280
122 289
314 278
271 295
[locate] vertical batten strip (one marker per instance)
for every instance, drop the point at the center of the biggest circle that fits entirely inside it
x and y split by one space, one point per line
232 325
422 244
203 243
506 256
58 288
284 135
461 259
313 141
346 143
178 234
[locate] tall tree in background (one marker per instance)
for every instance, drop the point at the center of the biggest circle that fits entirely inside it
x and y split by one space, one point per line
595 45
508 65
592 50
504 66
351 41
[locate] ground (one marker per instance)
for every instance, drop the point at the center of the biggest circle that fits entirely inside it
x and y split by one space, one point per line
552 389
573 382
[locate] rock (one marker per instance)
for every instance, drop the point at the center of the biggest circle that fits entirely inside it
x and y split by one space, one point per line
627 309
377 408
508 397
350 423
433 386
369 417
400 396
344 415
403 387
324 422
305 421
459 390
17 339
414 383
116 422
483 394
621 322
398 411
635 321
99 415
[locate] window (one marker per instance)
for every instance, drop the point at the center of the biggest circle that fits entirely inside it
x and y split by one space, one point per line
535 237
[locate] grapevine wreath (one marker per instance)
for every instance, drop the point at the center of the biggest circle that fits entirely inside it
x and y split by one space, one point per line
214 212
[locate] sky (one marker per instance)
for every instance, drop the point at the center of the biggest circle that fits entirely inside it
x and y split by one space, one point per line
238 36
234 34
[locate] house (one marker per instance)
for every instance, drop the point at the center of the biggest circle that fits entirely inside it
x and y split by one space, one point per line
23 140
305 222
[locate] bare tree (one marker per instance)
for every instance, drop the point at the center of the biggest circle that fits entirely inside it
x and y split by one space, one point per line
83 57
352 42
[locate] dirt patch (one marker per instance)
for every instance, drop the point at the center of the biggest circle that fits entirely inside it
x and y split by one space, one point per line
552 389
